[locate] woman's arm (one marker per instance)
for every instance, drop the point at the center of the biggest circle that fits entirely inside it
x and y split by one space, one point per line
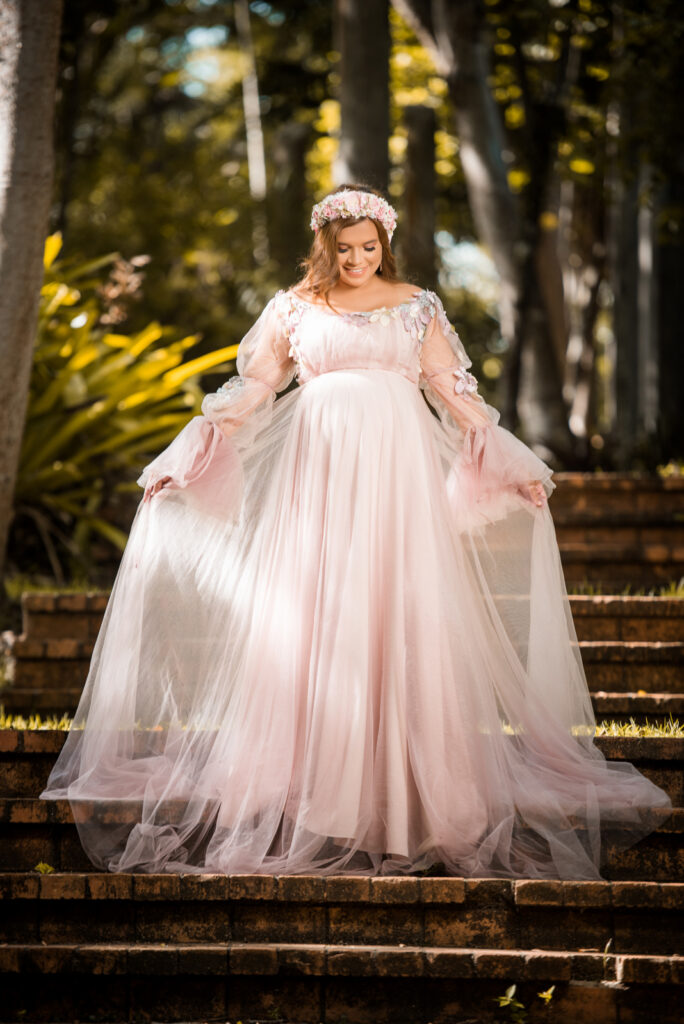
495 456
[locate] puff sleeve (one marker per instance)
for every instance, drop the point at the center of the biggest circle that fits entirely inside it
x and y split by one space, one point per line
492 460
232 415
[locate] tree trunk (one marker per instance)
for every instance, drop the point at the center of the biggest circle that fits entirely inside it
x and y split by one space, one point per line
418 228
29 38
456 35
669 263
256 157
363 40
288 196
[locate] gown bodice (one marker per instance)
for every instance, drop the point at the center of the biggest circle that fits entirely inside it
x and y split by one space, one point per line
387 338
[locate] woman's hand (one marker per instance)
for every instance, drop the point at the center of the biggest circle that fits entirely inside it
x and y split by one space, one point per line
156 487
534 492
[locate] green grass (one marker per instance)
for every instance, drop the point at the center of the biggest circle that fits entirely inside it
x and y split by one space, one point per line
673 589
671 727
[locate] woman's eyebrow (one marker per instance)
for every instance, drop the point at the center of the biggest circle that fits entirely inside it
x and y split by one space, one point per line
372 241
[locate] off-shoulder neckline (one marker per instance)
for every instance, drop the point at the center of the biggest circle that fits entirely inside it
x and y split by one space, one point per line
357 312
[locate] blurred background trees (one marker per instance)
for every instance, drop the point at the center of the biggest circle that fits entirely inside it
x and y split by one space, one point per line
534 150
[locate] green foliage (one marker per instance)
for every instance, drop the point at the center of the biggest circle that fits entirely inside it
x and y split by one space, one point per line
516 1010
101 404
670 728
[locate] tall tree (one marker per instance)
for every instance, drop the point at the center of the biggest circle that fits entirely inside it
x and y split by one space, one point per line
459 38
363 40
29 38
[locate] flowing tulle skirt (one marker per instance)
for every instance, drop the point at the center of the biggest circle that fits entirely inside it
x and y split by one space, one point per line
330 652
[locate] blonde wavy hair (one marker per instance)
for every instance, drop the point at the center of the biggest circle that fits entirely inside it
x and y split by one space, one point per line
321 272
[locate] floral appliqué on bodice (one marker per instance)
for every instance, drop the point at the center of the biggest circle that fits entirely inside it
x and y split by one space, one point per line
414 315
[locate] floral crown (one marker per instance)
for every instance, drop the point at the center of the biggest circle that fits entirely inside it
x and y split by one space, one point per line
351 203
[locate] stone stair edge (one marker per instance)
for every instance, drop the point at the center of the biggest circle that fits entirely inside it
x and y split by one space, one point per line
665 748
393 890
28 649
261 958
23 810
625 480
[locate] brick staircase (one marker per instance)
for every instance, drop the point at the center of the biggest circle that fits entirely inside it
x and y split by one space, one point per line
617 530
81 945
632 648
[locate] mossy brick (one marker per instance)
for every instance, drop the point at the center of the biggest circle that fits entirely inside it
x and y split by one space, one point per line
278 922
399 963
395 890
205 887
586 894
469 926
72 602
636 894
182 922
19 886
153 959
538 893
156 887
39 602
109 886
347 889
372 924
253 887
350 961
442 890
99 959
449 963
253 959
301 888
306 960
211 958
63 887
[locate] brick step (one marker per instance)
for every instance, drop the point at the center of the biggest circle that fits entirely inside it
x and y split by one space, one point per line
609 493
572 529
62 615
47 674
79 616
91 907
33 830
638 707
639 565
623 666
316 982
27 756
628 618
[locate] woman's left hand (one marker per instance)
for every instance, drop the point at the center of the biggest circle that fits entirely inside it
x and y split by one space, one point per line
534 492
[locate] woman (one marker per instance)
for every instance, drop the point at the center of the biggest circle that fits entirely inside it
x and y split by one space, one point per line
339 640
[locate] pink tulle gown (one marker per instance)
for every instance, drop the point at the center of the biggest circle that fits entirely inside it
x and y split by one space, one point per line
339 640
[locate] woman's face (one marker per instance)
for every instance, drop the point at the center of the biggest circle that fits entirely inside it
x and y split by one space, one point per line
359 253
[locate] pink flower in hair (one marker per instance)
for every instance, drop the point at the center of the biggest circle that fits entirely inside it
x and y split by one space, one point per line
354 204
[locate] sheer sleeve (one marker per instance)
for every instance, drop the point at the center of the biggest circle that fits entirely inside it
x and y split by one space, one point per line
493 460
264 367
232 415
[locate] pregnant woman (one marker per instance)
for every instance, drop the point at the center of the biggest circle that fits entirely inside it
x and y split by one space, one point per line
339 640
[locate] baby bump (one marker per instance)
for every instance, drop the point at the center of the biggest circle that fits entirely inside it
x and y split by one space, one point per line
344 407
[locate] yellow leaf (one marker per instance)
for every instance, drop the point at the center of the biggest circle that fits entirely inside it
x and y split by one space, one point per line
515 115
581 166
200 365
517 179
53 243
